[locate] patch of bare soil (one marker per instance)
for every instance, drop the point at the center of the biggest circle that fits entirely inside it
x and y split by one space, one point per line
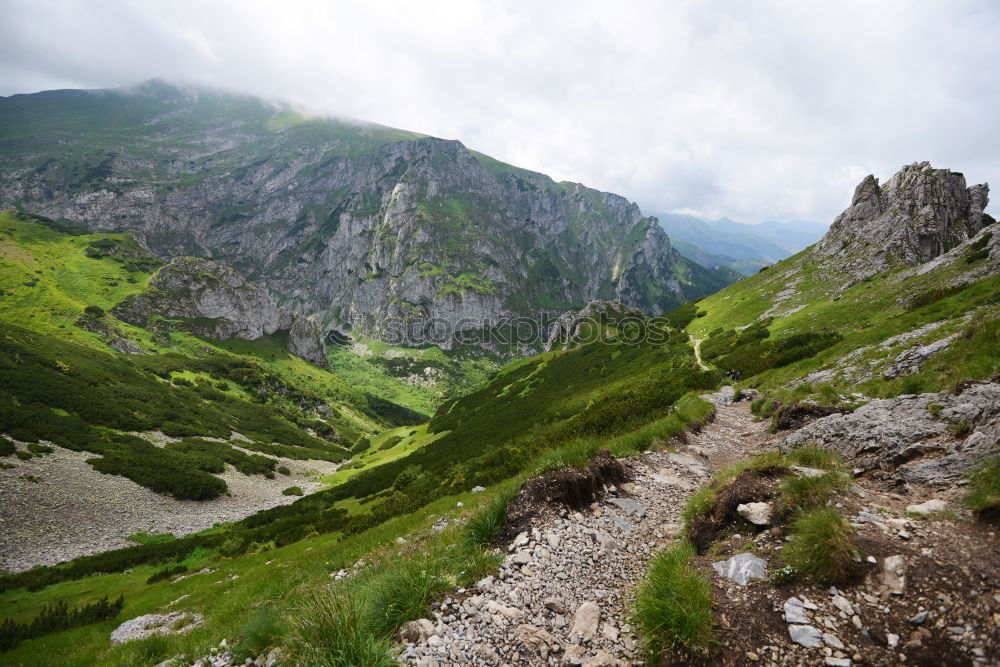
946 612
750 486
575 488
797 415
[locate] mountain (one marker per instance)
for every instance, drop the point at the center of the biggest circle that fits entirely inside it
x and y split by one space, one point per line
373 230
806 448
918 215
742 247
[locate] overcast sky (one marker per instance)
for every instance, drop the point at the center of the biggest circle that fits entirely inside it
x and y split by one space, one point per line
752 110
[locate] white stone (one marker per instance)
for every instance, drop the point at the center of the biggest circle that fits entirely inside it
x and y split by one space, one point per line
805 635
756 513
928 507
894 574
742 568
585 621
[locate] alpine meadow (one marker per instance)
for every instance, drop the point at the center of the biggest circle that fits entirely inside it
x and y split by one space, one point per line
282 387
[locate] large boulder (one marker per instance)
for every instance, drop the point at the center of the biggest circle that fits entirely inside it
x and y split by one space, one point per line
931 438
305 339
211 299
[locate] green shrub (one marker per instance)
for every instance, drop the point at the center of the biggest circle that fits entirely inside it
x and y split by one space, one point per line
821 547
483 527
933 295
680 317
6 447
763 407
94 311
55 617
166 573
329 631
283 470
212 456
293 491
161 470
983 493
977 250
150 538
673 608
39 449
24 455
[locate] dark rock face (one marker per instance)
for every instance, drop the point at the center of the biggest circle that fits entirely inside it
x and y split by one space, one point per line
366 226
919 214
216 301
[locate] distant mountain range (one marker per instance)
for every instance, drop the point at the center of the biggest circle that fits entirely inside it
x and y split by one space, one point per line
740 246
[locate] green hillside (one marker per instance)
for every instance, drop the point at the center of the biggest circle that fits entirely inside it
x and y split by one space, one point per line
399 503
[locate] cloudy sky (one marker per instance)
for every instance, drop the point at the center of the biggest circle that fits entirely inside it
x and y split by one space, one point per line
752 110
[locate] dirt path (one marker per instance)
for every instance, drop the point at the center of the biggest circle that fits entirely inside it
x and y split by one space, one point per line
697 354
562 595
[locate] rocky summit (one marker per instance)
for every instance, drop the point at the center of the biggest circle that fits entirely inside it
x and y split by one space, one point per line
917 215
371 229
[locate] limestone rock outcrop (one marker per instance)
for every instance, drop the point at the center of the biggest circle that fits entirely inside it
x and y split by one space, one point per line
305 339
933 438
577 327
213 299
917 215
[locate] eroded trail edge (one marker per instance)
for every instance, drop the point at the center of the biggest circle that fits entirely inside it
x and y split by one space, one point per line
562 594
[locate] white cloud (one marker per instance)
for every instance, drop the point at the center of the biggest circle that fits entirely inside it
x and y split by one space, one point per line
749 110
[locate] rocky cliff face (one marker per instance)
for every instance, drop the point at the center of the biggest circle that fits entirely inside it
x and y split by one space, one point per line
919 214
368 227
213 300
305 339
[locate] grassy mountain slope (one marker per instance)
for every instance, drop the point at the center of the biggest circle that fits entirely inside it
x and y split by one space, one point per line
360 224
64 382
794 298
538 413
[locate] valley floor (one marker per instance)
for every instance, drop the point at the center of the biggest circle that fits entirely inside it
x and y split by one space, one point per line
57 507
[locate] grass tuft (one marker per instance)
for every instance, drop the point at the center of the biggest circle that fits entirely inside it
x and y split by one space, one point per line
802 492
983 494
821 547
484 526
262 632
814 457
404 592
674 603
329 631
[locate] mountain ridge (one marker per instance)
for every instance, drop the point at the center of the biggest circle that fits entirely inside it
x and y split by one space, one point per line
361 225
